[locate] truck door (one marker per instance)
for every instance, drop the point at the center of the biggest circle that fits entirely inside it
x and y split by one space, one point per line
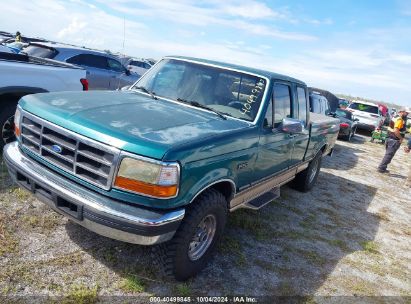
275 146
300 141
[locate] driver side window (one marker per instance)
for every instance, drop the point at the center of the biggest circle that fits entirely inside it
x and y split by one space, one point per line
282 103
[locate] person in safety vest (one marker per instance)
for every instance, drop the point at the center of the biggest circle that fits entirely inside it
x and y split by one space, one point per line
393 142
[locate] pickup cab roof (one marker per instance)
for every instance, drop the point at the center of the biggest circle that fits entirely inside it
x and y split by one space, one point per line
268 74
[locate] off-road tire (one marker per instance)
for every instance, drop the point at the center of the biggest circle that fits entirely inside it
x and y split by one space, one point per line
305 180
173 256
6 117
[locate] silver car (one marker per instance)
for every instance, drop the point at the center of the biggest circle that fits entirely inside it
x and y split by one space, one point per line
104 71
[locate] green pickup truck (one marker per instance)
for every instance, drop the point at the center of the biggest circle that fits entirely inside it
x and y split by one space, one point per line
164 161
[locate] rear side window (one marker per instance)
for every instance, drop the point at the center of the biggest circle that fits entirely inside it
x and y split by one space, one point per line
364 107
114 65
282 103
302 104
89 60
140 64
40 51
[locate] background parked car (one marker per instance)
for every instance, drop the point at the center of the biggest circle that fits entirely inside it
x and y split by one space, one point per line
318 103
137 66
104 71
333 101
369 115
348 124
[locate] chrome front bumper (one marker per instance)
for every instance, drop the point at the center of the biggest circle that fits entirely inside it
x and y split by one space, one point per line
98 213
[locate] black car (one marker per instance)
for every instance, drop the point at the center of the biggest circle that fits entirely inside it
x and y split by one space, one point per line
348 124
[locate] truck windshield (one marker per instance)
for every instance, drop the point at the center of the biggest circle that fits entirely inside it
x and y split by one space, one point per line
229 92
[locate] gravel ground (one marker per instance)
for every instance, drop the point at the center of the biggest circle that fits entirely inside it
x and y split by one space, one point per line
351 235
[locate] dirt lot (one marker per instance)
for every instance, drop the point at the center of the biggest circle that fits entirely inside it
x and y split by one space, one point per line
351 235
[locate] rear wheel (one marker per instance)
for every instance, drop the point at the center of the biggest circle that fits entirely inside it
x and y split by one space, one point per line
305 180
194 242
7 123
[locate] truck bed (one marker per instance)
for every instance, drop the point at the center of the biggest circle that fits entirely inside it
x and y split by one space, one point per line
22 58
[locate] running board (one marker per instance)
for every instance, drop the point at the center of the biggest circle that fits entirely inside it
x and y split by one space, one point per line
263 199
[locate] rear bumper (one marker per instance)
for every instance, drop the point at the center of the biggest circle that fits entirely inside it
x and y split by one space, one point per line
368 127
98 213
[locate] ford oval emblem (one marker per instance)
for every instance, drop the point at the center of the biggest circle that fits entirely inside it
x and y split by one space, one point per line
57 148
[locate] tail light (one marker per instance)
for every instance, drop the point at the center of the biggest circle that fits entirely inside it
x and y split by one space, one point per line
344 125
84 82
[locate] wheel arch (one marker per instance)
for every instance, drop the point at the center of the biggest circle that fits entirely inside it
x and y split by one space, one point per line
18 91
225 186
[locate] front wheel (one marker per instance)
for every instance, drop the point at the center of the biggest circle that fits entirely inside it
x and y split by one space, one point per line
305 180
7 124
194 242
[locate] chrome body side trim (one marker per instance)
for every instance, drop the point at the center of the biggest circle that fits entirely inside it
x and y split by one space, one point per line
261 187
233 187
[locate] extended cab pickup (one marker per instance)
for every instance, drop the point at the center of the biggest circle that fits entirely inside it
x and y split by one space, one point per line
21 75
165 161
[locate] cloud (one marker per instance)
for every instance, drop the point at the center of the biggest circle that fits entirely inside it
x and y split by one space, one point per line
73 28
216 13
250 10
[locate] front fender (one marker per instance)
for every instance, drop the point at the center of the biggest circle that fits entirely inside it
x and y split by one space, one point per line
193 187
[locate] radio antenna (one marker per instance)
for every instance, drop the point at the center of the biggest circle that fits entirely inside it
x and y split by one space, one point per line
123 50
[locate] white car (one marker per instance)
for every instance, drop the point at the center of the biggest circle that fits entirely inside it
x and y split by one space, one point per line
368 114
138 66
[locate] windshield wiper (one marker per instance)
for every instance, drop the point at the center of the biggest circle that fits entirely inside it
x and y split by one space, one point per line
148 92
200 105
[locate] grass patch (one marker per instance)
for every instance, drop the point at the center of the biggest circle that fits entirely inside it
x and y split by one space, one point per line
230 245
358 286
132 283
338 243
21 194
81 294
370 247
383 214
286 289
8 243
45 222
183 290
308 222
267 265
110 256
312 257
252 222
293 209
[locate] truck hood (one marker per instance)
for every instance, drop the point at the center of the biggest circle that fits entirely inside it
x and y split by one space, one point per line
128 120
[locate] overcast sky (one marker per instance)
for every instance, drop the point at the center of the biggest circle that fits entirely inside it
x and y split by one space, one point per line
356 47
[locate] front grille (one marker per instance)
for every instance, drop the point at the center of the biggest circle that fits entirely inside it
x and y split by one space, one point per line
85 158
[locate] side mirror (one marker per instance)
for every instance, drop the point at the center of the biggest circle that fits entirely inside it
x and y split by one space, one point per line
128 73
356 119
291 125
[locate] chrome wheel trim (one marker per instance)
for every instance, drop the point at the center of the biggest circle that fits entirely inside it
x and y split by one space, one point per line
203 237
7 130
314 169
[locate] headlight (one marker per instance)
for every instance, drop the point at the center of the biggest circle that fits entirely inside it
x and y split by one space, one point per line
155 179
17 117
